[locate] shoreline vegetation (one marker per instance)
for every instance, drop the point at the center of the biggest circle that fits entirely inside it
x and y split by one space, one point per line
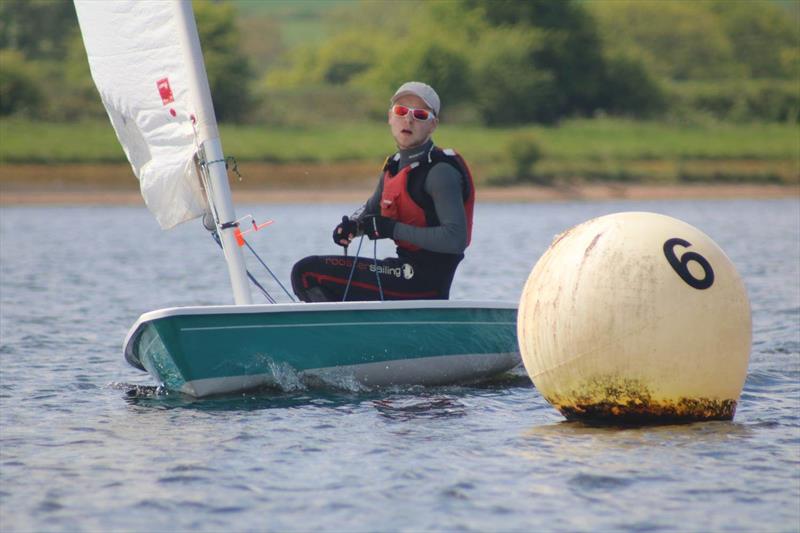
115 184
593 142
602 158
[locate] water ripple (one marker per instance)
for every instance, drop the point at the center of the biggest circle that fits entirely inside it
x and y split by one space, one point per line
87 443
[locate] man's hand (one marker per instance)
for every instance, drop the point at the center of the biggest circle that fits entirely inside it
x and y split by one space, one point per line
378 227
345 232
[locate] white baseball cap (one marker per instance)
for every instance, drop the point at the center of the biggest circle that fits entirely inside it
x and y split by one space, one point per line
422 90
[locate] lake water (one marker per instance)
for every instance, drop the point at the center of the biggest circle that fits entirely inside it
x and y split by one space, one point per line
86 445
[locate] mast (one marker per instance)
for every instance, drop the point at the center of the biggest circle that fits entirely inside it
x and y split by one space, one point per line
219 194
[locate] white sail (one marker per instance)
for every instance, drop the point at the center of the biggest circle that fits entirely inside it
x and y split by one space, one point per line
138 65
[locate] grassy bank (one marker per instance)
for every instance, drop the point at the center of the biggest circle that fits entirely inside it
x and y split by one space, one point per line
600 149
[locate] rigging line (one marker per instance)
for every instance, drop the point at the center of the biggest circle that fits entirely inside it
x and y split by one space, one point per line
200 159
375 261
234 166
353 269
270 272
206 182
257 284
271 300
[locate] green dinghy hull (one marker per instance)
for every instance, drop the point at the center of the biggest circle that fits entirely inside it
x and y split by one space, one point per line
209 350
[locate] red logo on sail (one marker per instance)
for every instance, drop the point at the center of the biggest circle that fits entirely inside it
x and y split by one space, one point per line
165 91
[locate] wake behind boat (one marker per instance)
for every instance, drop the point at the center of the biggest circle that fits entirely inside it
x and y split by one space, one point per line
147 64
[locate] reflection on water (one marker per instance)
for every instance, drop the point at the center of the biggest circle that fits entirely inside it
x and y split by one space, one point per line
409 408
566 431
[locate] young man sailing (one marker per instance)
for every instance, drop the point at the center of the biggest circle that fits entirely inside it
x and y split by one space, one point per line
423 201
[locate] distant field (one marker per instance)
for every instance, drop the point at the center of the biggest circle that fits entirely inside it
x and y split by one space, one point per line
300 22
605 149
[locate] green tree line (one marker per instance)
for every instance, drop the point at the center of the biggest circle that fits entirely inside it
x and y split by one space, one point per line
44 72
494 62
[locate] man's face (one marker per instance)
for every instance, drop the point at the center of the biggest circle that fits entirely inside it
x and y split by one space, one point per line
407 131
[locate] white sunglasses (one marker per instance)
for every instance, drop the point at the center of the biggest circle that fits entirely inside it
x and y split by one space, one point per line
418 114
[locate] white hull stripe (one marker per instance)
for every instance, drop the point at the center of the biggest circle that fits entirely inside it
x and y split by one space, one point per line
340 324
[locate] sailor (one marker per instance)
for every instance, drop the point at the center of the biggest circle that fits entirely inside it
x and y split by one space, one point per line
423 201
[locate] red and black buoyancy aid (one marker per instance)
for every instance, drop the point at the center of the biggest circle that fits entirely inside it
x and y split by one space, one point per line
404 198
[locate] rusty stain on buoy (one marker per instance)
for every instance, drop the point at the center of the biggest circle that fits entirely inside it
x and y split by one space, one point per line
616 400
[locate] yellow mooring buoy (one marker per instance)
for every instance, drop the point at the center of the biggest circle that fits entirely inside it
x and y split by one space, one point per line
636 318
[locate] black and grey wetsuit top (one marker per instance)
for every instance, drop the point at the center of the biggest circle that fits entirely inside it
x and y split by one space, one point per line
444 184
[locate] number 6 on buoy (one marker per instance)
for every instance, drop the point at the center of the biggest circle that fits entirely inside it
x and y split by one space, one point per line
681 265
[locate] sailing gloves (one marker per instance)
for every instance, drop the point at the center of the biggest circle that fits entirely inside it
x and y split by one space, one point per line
345 232
378 227
373 226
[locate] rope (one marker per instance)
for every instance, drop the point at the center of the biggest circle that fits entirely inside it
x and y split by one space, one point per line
270 271
207 183
270 299
235 168
375 260
352 270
